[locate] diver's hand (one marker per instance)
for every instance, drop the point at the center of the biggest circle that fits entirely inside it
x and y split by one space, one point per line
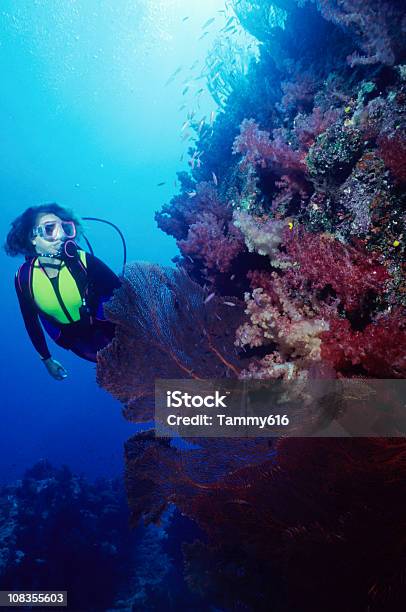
55 369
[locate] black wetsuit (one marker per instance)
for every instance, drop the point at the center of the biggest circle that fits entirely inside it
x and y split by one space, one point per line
84 337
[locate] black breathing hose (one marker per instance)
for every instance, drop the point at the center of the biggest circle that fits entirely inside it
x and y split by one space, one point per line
117 230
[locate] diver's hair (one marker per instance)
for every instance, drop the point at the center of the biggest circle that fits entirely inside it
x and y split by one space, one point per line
18 241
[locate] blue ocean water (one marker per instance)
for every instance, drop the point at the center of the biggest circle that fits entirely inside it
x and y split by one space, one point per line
87 122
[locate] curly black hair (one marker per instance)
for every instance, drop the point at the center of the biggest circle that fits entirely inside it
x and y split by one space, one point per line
18 241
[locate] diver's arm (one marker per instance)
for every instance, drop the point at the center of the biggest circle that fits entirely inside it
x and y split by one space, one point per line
32 324
103 280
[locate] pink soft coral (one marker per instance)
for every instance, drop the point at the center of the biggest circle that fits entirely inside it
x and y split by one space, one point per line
213 241
257 148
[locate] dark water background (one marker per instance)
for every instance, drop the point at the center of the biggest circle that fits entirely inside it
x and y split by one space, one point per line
86 121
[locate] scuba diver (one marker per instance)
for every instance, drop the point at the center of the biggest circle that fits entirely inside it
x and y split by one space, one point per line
60 285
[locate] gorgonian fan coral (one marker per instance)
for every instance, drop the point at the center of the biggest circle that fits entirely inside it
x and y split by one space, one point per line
297 523
168 327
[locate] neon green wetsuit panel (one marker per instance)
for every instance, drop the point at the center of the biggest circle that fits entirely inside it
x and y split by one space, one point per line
45 296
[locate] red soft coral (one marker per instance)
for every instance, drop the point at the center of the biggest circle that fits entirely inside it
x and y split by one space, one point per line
392 148
324 261
380 349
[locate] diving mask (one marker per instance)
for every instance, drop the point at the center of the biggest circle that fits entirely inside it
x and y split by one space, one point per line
51 231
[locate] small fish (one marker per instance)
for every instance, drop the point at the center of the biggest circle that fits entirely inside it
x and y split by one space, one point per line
232 27
175 184
230 20
181 157
241 502
203 35
212 116
185 18
190 258
194 64
199 91
290 225
396 243
215 181
229 303
193 160
201 124
209 297
219 318
186 135
173 75
184 126
192 194
208 22
232 277
181 108
185 90
160 184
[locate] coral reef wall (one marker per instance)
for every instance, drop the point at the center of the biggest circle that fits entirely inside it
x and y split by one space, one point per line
291 229
298 206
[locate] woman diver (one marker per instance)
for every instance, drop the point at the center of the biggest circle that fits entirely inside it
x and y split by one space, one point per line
60 285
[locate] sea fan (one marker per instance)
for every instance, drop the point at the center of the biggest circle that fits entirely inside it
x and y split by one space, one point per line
167 327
